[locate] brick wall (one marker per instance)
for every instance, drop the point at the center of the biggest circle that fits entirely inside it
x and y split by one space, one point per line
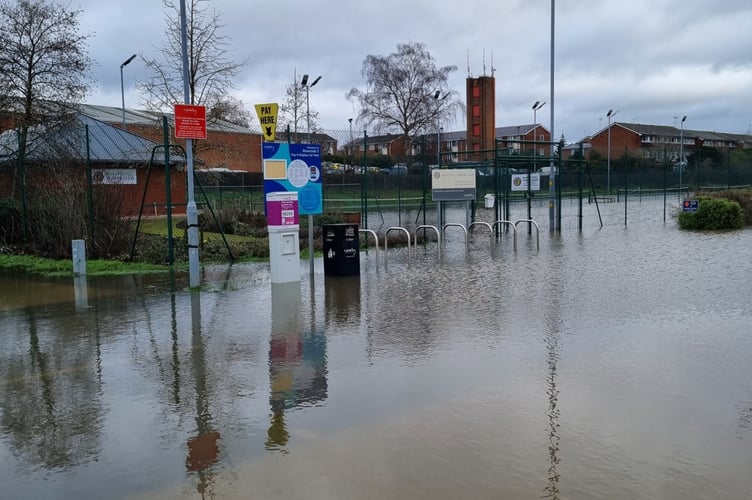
230 150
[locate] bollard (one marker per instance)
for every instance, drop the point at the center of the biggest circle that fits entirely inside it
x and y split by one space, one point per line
79 257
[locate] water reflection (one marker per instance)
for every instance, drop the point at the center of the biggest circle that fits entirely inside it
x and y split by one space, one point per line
297 363
203 448
51 412
342 299
613 365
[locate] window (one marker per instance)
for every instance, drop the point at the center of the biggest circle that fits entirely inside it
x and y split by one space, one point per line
476 91
476 130
476 110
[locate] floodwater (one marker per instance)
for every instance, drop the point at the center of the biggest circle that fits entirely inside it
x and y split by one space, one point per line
612 363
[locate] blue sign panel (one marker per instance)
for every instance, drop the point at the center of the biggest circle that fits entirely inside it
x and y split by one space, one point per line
295 167
691 205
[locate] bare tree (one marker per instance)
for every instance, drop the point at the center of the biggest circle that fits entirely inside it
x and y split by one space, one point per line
211 67
405 92
44 66
229 109
294 111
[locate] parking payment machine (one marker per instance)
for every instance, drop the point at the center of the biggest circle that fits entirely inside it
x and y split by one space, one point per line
284 245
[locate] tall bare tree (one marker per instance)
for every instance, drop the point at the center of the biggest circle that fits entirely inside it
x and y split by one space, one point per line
405 92
211 66
295 111
44 66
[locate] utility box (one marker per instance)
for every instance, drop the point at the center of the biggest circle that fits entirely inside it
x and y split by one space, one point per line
341 248
282 218
490 200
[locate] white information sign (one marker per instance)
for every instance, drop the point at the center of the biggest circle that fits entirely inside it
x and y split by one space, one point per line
453 184
114 176
519 182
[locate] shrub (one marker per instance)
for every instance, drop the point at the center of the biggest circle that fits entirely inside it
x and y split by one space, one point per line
713 214
743 197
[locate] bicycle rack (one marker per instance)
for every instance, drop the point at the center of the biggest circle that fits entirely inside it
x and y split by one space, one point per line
464 229
386 243
537 230
375 239
486 224
510 224
438 236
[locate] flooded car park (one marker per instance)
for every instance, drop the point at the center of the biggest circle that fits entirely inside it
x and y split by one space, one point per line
612 363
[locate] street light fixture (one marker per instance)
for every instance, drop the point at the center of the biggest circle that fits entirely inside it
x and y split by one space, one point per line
438 125
536 106
681 154
611 113
122 88
304 83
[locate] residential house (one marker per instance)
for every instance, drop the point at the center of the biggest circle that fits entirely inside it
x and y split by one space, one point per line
660 143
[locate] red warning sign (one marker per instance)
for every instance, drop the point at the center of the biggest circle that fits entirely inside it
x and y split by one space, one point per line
190 121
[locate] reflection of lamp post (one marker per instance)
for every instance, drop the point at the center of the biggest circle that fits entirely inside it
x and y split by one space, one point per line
305 84
681 153
610 113
122 88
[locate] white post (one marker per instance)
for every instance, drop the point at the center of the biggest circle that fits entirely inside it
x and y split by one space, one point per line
78 251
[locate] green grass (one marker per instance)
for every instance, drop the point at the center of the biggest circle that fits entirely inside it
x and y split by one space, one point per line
61 268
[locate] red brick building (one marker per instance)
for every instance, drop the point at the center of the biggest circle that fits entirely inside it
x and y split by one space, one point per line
660 143
227 147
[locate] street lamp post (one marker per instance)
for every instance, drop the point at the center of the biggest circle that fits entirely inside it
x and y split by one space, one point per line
352 166
610 114
681 154
122 87
538 105
308 86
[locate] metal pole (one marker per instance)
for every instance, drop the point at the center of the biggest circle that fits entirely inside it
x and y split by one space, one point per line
552 176
308 121
192 212
681 155
608 156
122 87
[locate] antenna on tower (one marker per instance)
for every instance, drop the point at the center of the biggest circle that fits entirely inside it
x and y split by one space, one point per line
493 70
484 62
468 63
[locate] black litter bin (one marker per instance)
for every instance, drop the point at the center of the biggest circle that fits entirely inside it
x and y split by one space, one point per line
341 250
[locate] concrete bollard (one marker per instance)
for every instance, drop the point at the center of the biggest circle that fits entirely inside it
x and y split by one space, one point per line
79 257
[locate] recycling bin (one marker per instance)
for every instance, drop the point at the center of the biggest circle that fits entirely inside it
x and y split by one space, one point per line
341 248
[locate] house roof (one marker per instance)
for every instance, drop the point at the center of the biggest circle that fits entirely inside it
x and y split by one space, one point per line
107 144
669 131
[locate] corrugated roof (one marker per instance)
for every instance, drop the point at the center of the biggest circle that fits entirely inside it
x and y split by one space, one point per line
107 144
110 114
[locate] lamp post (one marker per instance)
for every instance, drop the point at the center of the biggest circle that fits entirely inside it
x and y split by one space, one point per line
610 114
350 151
681 154
304 83
538 105
122 88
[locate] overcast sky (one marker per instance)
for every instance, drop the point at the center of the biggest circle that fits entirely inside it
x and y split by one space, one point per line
652 60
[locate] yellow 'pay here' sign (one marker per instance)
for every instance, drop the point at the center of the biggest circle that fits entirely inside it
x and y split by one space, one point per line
267 114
